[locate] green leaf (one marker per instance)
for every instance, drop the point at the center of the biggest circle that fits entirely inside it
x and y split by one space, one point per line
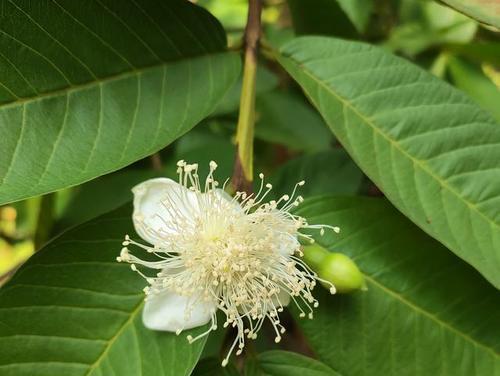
214 346
266 81
487 12
358 11
323 17
202 146
73 310
479 52
424 24
101 195
330 171
427 146
426 312
331 17
212 367
89 87
285 363
285 119
474 82
111 191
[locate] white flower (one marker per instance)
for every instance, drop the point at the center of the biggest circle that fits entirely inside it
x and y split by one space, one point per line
211 251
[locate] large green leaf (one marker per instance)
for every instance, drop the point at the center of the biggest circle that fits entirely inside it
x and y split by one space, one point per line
425 313
73 310
101 195
285 363
430 149
284 118
331 171
487 12
111 191
89 87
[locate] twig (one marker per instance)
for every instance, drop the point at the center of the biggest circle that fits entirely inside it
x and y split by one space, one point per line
243 166
156 162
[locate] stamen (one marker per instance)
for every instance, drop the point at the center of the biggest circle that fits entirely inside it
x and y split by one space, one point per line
238 254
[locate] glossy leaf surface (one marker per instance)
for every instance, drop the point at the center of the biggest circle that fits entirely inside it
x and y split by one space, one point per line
73 310
285 119
433 151
425 312
330 171
89 87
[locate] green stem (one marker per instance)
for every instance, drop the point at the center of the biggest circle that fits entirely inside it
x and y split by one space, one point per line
243 169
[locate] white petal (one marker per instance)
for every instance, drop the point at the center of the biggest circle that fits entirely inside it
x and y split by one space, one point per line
222 193
167 311
226 196
288 245
150 210
283 297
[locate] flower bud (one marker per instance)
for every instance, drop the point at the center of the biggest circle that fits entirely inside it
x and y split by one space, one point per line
340 270
314 255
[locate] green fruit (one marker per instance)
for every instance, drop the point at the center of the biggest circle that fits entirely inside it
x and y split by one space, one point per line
342 272
314 255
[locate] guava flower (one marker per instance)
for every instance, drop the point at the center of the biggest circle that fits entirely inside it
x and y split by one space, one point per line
211 251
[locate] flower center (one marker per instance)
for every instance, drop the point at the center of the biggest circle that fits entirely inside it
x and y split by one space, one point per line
241 254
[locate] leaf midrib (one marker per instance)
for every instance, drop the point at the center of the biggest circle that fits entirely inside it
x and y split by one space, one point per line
416 308
116 77
429 315
395 143
112 340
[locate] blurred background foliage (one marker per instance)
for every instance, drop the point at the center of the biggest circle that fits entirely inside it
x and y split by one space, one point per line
292 142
